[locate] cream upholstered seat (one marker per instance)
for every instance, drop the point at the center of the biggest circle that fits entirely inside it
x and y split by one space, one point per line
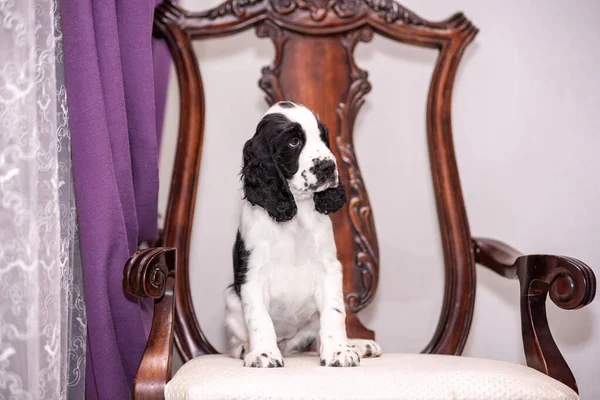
392 376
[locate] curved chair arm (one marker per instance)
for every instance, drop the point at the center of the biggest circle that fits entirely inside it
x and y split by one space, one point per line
571 284
151 273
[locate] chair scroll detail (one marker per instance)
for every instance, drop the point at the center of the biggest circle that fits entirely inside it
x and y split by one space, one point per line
366 259
151 273
570 283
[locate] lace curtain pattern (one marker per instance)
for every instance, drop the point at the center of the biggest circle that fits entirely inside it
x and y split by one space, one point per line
42 311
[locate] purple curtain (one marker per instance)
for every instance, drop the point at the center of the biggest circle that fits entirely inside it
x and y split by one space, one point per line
116 87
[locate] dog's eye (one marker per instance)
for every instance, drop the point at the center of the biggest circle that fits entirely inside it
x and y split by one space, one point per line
294 143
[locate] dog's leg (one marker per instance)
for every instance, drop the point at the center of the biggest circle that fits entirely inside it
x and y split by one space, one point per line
263 352
334 349
303 340
235 325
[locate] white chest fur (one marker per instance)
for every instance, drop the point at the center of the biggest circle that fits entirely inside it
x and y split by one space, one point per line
290 259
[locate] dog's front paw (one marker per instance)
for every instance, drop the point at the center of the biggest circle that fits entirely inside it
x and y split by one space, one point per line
340 355
263 359
366 348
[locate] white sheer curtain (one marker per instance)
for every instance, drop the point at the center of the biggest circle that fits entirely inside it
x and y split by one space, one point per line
42 312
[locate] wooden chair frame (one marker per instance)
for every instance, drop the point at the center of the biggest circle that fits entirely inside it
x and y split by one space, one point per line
324 33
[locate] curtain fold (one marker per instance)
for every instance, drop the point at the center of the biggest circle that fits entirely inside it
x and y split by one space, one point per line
113 78
42 310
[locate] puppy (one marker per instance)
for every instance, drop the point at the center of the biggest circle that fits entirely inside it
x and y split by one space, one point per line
287 288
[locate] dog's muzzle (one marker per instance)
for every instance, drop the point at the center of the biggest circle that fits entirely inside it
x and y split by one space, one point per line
325 172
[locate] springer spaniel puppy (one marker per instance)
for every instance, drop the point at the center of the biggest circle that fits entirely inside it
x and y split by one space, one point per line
287 288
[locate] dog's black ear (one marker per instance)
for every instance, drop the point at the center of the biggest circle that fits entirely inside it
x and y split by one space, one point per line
330 200
264 184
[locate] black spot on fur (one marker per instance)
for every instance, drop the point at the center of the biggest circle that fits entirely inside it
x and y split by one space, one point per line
268 163
279 363
264 354
336 364
322 363
330 200
286 104
324 171
271 365
324 133
338 310
338 353
368 351
240 263
243 353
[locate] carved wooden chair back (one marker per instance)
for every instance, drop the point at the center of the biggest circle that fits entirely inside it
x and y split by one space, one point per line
312 36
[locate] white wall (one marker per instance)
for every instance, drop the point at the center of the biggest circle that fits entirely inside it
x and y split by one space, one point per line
527 137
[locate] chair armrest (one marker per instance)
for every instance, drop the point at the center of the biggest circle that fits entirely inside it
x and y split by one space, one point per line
151 273
571 285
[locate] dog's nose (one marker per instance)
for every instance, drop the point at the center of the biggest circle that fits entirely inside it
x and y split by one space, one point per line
324 170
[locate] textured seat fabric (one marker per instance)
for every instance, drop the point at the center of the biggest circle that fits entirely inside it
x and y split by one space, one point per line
392 376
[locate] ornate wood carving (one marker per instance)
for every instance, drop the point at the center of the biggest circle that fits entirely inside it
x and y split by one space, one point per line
269 81
236 8
366 260
307 16
151 273
570 283
392 12
319 9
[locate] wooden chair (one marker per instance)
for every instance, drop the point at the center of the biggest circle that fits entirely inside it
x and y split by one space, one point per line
302 32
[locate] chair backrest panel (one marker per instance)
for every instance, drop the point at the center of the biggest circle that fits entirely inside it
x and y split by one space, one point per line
319 72
314 65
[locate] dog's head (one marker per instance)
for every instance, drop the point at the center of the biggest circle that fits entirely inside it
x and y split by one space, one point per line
289 156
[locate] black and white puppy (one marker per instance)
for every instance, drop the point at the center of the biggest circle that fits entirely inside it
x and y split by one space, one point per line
287 290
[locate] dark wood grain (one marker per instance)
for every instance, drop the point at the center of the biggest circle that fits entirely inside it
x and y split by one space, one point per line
570 283
189 338
151 273
296 63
